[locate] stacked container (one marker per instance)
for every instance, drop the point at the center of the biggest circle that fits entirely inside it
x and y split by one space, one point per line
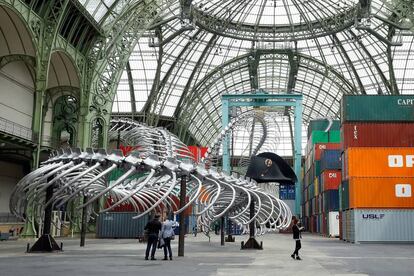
330 180
322 155
376 197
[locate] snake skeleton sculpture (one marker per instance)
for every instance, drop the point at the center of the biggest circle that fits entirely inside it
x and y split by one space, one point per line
160 160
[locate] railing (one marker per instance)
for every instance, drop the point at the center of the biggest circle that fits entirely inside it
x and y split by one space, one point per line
16 129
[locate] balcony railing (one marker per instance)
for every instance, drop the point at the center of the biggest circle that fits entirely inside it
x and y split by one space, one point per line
16 130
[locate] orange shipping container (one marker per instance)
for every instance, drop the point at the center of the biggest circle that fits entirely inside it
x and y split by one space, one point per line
378 162
381 192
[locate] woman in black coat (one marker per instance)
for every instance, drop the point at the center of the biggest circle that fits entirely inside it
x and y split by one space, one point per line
296 228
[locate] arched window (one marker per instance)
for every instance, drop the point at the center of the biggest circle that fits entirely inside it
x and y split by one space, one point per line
65 119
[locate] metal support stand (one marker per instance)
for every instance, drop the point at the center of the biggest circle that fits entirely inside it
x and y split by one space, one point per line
183 188
252 242
222 231
83 224
46 243
230 237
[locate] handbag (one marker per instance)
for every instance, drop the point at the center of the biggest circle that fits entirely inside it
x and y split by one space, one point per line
161 243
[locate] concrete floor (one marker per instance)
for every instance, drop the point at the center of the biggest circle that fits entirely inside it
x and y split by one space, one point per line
321 256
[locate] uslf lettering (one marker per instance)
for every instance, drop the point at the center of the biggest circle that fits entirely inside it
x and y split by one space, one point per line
373 216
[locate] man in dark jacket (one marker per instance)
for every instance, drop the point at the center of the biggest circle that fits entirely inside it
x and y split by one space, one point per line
153 228
297 236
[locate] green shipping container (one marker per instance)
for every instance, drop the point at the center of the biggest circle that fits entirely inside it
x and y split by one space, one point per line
317 169
322 125
344 196
334 136
318 136
379 108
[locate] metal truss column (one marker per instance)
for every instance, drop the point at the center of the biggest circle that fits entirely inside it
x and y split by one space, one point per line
224 122
46 37
298 155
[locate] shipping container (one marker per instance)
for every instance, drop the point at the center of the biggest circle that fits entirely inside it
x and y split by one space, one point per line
316 137
318 223
308 162
307 214
318 148
345 224
120 225
324 224
305 194
378 162
311 190
378 108
331 179
344 195
330 160
313 206
381 225
322 125
330 201
320 187
333 224
350 226
307 224
362 134
316 186
315 170
382 192
321 137
334 136
313 224
306 180
320 205
341 230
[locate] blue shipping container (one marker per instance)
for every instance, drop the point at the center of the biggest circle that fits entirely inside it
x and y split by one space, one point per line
331 200
331 160
120 225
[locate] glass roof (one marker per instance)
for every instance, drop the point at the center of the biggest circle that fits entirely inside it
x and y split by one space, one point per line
274 20
272 12
105 11
196 66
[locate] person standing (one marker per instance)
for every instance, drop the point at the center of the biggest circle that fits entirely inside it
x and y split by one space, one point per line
297 229
153 227
167 233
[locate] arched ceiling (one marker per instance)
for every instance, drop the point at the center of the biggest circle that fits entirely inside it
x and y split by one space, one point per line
178 71
62 71
15 39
